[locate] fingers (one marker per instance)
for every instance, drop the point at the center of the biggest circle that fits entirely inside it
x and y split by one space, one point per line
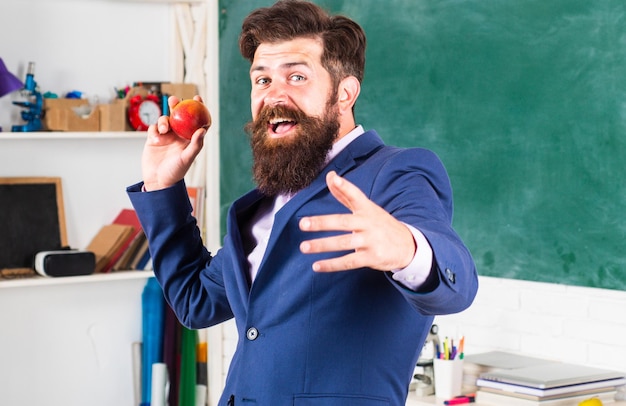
194 147
172 101
330 222
163 125
372 237
343 242
352 198
345 192
346 262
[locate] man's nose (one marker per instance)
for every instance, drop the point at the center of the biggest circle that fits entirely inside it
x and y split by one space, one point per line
276 94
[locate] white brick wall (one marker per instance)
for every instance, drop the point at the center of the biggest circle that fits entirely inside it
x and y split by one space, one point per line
566 323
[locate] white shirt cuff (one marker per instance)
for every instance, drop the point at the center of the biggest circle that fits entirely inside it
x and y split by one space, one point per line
414 274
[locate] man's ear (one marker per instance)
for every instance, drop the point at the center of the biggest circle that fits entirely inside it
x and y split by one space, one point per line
348 92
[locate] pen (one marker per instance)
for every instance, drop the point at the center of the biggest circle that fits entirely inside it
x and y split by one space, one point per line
461 400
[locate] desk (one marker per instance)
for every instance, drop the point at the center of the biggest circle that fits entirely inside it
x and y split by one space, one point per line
414 400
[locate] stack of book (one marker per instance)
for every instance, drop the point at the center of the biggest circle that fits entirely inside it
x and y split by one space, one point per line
551 384
476 364
122 245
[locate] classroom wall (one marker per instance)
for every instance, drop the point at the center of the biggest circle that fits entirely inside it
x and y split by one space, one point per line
566 323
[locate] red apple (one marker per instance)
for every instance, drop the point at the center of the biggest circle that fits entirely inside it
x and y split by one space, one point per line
187 116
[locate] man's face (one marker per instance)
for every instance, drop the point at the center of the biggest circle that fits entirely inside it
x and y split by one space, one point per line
295 118
289 73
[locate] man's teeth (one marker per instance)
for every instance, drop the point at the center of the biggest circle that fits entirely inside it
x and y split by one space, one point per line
278 121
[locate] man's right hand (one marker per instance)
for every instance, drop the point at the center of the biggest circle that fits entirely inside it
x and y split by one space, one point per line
167 157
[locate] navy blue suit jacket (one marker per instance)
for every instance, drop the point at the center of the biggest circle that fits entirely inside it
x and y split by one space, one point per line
306 338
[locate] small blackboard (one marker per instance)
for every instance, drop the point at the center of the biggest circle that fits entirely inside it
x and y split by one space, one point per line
32 219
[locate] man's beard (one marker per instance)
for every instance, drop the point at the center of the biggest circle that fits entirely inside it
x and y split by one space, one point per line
287 165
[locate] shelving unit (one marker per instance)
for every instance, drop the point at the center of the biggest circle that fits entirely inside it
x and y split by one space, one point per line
68 340
75 280
71 337
27 154
49 135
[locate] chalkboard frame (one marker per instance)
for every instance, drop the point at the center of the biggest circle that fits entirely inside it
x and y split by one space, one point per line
46 225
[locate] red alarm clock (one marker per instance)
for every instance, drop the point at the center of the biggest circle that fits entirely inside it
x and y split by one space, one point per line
143 111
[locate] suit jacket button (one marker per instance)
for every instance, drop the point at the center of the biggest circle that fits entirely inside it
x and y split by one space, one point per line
450 275
252 333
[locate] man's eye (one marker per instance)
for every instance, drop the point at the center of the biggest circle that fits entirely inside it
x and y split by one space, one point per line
297 78
262 81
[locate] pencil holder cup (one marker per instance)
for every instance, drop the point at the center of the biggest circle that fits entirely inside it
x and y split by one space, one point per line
448 377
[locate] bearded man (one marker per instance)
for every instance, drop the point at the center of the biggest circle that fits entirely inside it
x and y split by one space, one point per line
336 264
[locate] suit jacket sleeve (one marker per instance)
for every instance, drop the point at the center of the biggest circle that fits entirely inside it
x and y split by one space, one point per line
179 257
414 187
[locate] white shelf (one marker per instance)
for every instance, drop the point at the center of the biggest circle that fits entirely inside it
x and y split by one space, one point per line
67 280
71 135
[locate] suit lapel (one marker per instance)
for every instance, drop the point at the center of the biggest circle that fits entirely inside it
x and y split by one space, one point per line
346 160
239 218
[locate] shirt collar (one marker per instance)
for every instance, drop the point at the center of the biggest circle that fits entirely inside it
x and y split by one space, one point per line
343 142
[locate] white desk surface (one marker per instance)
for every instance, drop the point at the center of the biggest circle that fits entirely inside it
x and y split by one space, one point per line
414 400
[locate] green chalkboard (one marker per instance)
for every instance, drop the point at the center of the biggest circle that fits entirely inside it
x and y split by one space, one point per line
525 103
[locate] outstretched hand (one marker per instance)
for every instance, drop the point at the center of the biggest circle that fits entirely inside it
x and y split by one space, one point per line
167 157
377 239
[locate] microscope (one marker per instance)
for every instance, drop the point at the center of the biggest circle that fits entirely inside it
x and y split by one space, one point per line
425 375
34 107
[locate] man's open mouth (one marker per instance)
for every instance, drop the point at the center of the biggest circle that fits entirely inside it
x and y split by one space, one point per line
281 126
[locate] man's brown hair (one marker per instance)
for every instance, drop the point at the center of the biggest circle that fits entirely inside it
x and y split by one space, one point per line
343 39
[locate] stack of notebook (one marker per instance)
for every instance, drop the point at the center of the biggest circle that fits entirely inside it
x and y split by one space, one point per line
553 384
476 364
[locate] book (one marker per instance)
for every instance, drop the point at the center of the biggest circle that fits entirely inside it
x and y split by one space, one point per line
551 375
476 364
126 217
141 256
196 198
559 390
587 392
495 399
125 260
148 265
107 242
145 262
488 361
